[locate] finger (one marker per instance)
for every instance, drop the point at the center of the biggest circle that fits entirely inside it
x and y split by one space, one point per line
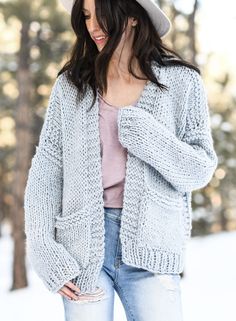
90 297
70 293
72 286
63 294
99 293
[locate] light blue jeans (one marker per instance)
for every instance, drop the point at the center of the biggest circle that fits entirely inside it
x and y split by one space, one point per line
146 296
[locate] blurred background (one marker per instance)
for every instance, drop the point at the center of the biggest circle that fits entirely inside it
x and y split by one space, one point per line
35 40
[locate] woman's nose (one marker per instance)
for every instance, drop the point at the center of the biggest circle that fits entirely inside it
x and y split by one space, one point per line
92 24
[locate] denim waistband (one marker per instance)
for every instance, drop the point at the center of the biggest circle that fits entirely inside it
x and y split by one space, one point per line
116 209
113 211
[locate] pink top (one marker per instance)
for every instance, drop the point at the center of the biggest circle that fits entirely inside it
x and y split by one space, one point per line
113 154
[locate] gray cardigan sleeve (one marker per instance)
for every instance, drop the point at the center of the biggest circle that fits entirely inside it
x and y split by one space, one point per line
43 201
189 163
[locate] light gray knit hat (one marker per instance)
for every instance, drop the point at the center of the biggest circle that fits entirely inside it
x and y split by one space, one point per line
158 17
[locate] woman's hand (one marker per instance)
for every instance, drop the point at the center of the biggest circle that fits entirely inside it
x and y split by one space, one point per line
68 291
69 288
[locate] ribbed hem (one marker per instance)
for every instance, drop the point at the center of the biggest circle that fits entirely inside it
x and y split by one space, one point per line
61 282
153 260
88 278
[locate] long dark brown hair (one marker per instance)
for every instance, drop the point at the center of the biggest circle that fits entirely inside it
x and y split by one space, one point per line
88 66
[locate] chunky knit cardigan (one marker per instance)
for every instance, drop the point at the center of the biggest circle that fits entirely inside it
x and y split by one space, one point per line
170 154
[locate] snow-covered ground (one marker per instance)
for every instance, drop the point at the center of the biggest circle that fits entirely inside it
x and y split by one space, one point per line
208 288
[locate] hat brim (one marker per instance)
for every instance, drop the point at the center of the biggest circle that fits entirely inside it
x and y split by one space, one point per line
158 17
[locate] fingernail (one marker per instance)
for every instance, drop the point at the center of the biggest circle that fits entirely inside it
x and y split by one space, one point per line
77 292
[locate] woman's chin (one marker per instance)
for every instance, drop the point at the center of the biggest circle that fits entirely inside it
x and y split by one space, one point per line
100 47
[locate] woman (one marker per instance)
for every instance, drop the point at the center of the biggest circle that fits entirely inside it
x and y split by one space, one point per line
126 139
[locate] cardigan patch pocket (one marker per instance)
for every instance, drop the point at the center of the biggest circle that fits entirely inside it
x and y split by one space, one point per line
74 233
161 223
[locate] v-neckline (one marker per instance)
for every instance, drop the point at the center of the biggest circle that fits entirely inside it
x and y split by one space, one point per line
132 104
150 89
114 106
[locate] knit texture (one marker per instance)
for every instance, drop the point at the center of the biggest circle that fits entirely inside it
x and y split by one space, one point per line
170 154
